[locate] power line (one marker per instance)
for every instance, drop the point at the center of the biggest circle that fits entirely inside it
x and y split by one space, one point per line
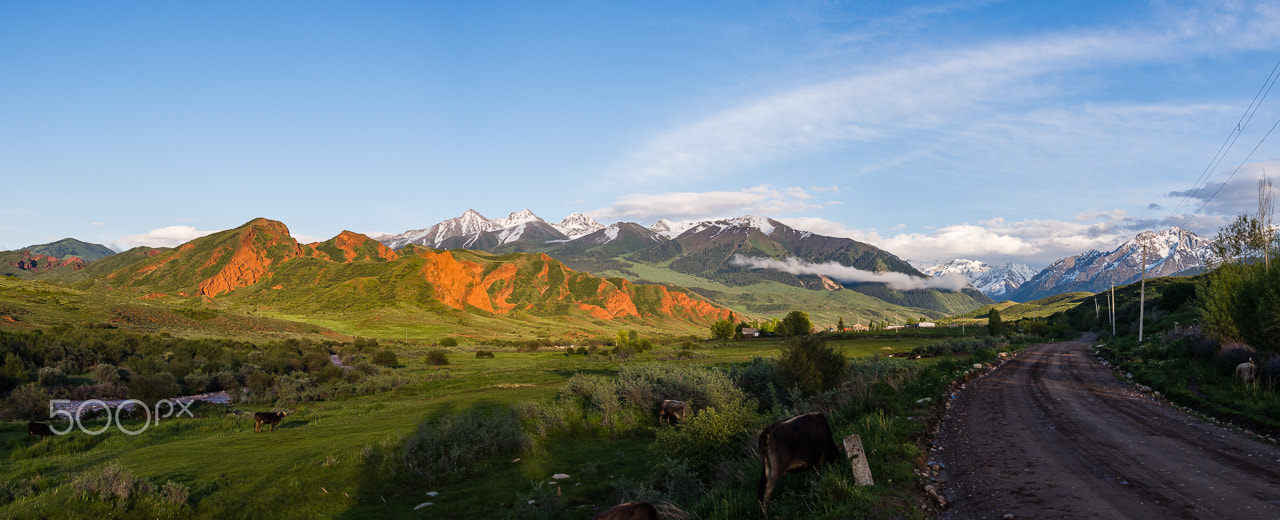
1242 163
1229 142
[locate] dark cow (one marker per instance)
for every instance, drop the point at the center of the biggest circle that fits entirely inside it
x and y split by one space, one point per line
797 444
629 511
38 428
272 418
671 409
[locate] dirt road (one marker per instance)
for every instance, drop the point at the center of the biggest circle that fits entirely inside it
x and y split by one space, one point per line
1053 434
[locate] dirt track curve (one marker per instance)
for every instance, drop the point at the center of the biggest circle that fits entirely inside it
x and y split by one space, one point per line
1053 434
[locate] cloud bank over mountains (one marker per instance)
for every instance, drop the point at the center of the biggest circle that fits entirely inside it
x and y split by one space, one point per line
842 273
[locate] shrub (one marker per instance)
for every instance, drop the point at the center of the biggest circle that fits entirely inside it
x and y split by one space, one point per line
437 357
51 376
106 373
153 387
1271 369
449 342
107 482
386 358
810 364
708 437
481 354
455 444
27 402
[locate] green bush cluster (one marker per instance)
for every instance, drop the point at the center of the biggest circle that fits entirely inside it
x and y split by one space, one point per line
810 364
113 483
457 444
116 363
961 345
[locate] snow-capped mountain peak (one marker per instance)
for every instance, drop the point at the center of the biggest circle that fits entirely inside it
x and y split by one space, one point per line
578 225
994 281
669 228
523 216
1168 252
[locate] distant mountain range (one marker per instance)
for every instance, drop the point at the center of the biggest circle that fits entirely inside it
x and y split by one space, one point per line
491 264
997 282
1170 252
700 255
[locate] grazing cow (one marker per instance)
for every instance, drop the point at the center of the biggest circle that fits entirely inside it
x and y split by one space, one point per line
272 418
1247 371
671 409
38 428
629 511
797 444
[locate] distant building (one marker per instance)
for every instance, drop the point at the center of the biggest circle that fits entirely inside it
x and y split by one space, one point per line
926 324
894 327
748 332
858 327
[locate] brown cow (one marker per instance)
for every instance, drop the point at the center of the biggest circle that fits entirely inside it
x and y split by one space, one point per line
272 418
629 511
38 428
797 444
671 409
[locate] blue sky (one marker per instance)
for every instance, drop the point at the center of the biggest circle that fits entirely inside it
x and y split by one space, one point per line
998 131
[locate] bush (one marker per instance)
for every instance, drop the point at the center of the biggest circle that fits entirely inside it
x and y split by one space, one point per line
386 358
106 373
51 376
481 354
811 365
449 342
27 402
455 444
1271 369
438 357
153 387
708 437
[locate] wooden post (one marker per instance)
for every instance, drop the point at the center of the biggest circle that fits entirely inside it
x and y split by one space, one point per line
858 460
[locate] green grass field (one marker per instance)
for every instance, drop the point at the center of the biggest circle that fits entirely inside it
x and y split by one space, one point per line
323 460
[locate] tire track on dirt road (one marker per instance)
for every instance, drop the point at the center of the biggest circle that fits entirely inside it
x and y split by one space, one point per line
1053 434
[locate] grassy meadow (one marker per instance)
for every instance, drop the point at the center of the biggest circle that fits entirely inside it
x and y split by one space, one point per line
349 457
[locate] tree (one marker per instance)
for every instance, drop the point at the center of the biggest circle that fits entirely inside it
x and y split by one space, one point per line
810 364
795 324
840 324
722 329
995 325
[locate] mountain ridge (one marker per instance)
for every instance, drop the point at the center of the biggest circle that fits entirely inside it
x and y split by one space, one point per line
1172 251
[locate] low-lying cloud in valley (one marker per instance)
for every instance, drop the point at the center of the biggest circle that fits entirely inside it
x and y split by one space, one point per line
844 273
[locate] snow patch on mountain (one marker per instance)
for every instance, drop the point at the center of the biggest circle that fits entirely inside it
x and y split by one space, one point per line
994 281
578 225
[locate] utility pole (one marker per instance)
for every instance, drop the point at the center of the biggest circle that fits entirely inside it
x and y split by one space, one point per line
1142 295
1112 310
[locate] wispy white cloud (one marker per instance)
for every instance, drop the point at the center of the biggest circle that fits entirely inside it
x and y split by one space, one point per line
168 236
762 200
934 97
1034 242
844 273
928 93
